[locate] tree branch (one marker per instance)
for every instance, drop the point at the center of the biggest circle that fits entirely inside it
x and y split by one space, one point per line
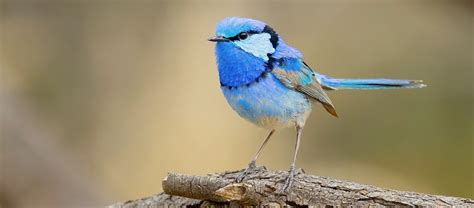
261 188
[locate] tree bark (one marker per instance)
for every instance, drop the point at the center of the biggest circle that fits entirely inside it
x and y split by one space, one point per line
261 188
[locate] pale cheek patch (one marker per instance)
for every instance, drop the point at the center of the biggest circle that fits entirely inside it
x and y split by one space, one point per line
257 44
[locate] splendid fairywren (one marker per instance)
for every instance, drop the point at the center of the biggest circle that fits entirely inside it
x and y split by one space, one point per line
267 82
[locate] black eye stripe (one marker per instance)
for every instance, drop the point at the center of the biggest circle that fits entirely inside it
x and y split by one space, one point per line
266 29
236 37
243 36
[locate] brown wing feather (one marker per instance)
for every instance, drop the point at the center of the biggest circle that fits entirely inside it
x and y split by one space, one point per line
315 91
312 89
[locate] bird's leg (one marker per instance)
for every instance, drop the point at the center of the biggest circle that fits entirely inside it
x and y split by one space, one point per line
291 172
252 164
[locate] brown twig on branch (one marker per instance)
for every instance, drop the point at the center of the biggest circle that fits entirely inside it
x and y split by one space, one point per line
261 188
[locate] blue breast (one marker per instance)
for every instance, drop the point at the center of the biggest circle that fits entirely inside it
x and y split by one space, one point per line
237 67
268 98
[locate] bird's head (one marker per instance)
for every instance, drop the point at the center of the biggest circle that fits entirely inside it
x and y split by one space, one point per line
252 36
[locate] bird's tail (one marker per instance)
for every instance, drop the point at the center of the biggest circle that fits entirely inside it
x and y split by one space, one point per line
367 84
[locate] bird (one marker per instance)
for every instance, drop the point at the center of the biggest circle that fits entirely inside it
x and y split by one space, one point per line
267 82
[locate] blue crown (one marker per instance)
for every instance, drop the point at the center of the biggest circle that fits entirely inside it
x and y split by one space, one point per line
232 26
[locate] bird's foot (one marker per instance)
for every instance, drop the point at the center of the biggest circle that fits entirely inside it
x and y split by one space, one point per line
250 168
289 180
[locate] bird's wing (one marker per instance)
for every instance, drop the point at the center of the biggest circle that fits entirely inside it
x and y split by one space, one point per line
296 75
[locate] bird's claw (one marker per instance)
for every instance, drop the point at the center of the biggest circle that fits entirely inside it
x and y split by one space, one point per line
246 172
289 181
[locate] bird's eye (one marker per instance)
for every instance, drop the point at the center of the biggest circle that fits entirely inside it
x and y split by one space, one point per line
243 36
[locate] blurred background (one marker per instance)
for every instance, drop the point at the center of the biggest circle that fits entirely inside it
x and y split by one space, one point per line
100 99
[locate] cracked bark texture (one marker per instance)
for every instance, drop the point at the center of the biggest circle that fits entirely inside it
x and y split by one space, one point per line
261 188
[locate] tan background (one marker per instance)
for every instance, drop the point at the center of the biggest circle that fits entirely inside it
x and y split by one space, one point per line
100 99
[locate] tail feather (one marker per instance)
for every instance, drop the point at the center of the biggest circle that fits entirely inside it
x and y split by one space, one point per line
367 84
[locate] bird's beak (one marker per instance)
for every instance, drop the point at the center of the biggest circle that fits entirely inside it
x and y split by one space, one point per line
218 39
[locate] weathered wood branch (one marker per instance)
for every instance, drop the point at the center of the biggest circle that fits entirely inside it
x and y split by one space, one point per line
262 189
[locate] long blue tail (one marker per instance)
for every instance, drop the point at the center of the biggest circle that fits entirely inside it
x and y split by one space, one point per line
367 84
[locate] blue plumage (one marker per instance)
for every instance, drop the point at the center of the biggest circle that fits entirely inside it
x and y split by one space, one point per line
368 84
281 108
240 71
232 26
266 81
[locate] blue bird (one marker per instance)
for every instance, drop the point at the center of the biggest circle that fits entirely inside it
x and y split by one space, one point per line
267 82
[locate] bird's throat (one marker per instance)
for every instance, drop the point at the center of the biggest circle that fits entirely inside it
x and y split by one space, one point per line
238 68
